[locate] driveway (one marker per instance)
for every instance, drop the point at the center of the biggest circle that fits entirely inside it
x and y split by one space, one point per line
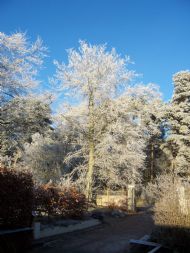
111 237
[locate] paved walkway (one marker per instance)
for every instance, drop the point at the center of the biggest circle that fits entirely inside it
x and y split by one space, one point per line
111 237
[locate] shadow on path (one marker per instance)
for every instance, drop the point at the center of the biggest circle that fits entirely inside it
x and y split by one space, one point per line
111 237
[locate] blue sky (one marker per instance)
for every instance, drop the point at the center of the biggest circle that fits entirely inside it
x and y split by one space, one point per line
154 33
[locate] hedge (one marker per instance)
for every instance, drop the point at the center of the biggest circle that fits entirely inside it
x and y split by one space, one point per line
19 197
16 198
53 201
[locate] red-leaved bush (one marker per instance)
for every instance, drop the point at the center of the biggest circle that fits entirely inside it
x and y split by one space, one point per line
46 199
16 198
53 201
19 197
72 204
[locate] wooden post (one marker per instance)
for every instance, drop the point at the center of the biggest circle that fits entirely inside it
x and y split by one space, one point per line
108 194
131 197
182 200
36 230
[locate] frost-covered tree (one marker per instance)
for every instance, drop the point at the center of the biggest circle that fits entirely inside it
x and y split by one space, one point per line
92 75
118 142
120 147
19 115
44 157
122 129
146 99
22 117
146 106
19 63
178 118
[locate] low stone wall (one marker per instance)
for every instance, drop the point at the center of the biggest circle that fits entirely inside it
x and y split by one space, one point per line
55 230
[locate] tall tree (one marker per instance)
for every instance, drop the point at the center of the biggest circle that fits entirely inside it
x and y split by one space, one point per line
120 147
146 106
92 75
178 118
122 130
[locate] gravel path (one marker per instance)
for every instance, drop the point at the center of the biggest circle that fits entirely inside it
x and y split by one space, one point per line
111 237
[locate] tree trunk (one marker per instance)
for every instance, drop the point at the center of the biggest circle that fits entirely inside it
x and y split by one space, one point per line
152 163
173 170
89 177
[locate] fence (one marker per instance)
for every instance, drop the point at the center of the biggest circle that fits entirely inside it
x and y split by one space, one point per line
118 198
